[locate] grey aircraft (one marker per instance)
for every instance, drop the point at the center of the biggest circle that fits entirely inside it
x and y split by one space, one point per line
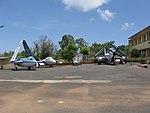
111 55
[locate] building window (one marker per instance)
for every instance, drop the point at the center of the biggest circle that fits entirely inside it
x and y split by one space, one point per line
143 53
148 36
143 38
132 43
148 52
139 40
136 42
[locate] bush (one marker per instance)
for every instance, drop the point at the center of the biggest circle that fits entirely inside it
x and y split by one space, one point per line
135 53
135 60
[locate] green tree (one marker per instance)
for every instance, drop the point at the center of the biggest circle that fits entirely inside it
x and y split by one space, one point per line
124 48
21 54
69 52
46 46
109 44
135 53
36 50
6 54
85 50
66 39
43 48
95 48
56 52
68 47
81 42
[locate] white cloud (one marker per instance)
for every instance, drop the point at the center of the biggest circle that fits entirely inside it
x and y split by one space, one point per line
106 15
127 26
84 5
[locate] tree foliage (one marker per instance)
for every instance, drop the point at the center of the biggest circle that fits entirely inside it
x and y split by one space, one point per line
36 50
6 54
124 48
69 51
95 48
135 53
9 54
66 40
85 50
43 48
68 47
21 54
81 42
47 47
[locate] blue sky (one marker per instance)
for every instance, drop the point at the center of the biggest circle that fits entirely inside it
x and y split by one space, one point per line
94 20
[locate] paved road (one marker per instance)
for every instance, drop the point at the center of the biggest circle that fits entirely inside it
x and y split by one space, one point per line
76 89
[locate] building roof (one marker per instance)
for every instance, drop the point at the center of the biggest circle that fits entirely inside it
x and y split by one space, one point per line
139 32
3 58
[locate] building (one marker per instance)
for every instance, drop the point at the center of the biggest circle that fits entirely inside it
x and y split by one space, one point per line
141 41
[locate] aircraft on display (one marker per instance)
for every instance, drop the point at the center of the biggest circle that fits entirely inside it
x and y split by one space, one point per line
29 61
77 59
48 61
111 55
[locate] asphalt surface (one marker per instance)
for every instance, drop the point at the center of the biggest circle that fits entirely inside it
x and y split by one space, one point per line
76 89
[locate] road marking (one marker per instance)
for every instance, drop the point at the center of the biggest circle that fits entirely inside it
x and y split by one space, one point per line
73 76
58 81
69 77
40 101
60 102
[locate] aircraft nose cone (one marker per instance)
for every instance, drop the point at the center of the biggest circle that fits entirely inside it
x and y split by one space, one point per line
54 61
123 57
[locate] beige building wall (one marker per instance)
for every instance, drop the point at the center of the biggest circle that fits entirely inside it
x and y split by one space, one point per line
141 41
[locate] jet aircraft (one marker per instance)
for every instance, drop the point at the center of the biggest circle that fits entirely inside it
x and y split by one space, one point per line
29 61
111 55
48 61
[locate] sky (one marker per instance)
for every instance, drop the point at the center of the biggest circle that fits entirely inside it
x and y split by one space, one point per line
94 20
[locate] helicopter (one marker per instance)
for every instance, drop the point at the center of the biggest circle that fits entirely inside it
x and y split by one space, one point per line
111 55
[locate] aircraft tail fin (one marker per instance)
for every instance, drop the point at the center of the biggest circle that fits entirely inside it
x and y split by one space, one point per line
16 52
27 49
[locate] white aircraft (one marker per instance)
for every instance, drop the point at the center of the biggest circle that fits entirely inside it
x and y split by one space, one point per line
111 55
77 59
48 61
29 61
